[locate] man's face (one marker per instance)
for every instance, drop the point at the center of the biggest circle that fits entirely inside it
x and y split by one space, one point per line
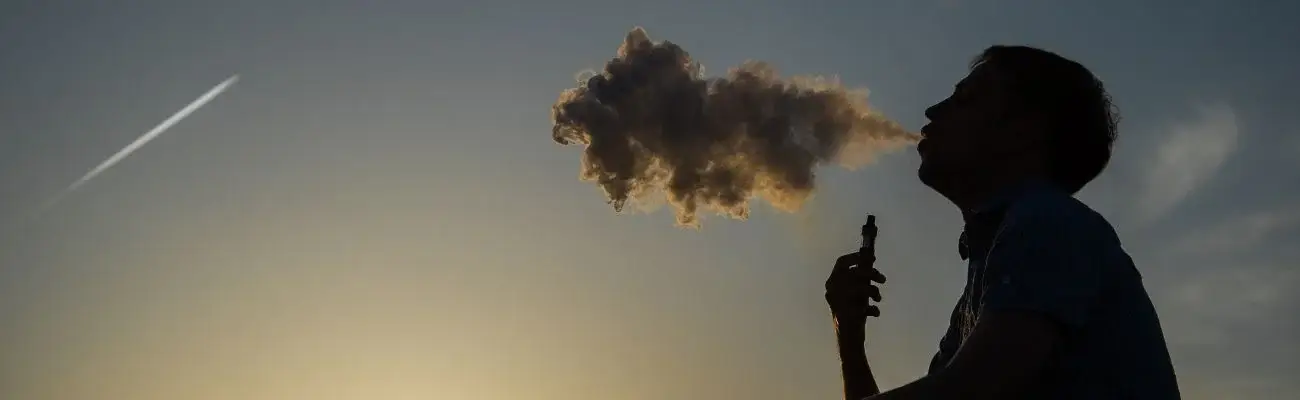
968 131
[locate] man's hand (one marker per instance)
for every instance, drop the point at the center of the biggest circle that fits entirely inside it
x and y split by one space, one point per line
848 291
850 288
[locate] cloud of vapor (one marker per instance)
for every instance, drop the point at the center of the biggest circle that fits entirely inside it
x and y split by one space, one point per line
652 123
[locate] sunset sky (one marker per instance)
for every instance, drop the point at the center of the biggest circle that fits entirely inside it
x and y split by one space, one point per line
376 210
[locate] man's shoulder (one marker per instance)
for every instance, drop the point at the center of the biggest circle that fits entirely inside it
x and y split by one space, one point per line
1058 221
1057 211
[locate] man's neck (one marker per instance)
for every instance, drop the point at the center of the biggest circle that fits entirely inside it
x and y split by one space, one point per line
977 193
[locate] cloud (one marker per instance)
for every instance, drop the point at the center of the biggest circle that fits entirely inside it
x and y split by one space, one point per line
1236 234
1252 387
1187 158
1244 292
1234 274
1231 330
1223 272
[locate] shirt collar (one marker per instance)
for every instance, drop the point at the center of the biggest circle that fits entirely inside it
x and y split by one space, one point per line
991 211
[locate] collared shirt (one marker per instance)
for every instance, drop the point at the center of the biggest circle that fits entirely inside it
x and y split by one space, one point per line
1036 248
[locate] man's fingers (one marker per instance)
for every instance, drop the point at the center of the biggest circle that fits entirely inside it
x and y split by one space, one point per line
844 263
873 274
868 274
873 311
854 278
861 289
854 290
852 274
871 291
841 270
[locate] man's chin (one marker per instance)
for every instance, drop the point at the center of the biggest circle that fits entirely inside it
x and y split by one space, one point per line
923 174
929 175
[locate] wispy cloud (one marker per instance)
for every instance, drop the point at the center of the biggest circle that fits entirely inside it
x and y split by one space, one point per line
1238 234
1252 387
1189 156
1228 275
1240 292
1223 274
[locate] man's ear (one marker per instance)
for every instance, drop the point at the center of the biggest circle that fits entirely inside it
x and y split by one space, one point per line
1030 130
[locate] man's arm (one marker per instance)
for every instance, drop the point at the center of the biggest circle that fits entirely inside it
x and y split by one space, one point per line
859 382
1004 355
848 289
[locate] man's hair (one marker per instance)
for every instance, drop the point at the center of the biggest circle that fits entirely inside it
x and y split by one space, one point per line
1081 119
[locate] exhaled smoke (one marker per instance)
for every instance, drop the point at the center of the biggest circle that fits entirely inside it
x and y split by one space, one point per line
652 123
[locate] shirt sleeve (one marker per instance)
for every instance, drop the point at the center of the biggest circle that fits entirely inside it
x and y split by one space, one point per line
1045 261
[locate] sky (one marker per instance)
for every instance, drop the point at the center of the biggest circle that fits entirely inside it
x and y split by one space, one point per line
376 210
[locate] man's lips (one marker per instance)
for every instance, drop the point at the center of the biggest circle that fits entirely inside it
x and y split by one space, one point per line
921 145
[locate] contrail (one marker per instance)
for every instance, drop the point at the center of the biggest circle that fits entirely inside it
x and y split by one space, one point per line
139 142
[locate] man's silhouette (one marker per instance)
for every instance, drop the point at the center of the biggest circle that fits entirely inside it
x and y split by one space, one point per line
1053 307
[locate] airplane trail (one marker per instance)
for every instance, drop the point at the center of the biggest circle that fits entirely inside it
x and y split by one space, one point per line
141 141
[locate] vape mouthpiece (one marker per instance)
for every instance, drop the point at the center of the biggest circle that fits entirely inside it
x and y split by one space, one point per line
869 232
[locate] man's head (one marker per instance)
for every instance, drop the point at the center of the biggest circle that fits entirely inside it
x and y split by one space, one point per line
1021 110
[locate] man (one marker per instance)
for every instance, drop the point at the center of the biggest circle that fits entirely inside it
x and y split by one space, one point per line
1053 307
